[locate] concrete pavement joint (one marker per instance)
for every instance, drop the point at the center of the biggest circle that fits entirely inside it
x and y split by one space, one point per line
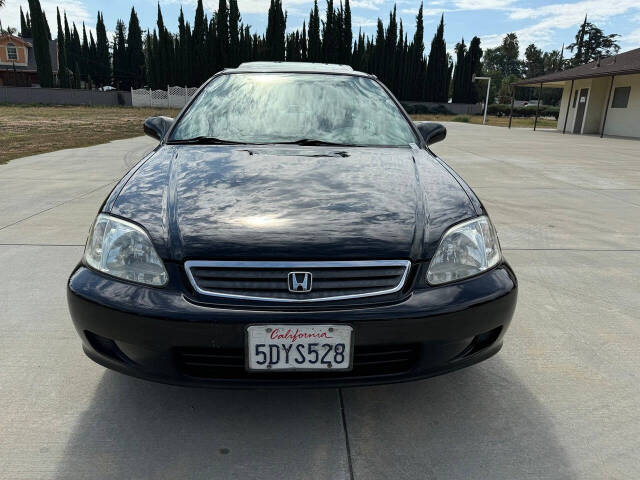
57 205
570 250
41 245
346 433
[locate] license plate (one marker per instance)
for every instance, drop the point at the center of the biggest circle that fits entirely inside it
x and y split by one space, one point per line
299 347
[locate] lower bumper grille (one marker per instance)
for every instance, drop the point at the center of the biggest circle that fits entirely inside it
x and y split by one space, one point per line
368 361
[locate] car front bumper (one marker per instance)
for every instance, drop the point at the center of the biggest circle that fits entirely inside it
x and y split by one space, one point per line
146 332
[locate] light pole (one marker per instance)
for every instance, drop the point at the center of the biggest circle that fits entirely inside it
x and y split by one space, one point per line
486 101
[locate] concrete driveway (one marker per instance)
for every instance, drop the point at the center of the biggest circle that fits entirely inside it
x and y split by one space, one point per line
561 401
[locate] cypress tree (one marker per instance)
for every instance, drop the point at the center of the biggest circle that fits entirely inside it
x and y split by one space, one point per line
418 67
76 76
41 35
67 38
135 61
347 34
245 44
84 62
437 84
398 77
120 70
199 45
315 45
182 51
164 53
189 55
24 30
329 36
211 66
47 30
473 67
378 60
391 40
275 35
63 72
459 74
76 55
93 56
148 61
102 63
222 35
338 33
303 42
234 33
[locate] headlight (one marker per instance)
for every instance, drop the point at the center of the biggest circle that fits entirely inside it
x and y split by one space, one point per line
122 249
465 250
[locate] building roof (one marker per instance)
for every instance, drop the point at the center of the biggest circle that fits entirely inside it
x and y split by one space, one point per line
31 58
295 67
622 64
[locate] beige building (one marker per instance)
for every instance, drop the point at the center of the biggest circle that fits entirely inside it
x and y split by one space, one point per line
18 66
601 97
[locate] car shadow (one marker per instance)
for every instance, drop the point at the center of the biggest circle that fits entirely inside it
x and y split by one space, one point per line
481 422
138 429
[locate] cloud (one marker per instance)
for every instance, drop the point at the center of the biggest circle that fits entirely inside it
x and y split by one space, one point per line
566 13
561 16
482 4
250 6
76 12
426 12
369 4
358 22
631 40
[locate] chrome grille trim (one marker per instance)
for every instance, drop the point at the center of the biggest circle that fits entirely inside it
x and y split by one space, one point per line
293 265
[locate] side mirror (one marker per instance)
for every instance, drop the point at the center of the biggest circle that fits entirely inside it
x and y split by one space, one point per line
157 127
432 132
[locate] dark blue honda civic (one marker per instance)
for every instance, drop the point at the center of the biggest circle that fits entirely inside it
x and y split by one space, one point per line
291 228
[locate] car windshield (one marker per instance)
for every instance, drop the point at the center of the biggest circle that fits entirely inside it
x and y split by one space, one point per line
287 107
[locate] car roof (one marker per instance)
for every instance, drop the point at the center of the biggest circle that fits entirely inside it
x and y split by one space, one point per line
298 67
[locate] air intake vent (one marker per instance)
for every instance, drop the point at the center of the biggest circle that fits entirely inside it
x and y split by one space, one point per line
368 361
297 281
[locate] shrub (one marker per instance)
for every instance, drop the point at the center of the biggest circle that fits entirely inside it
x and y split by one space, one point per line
501 110
424 109
461 118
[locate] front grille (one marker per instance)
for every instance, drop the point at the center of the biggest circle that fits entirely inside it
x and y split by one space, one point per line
270 280
368 361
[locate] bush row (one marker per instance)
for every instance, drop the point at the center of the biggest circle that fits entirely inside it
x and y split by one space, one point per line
417 109
503 110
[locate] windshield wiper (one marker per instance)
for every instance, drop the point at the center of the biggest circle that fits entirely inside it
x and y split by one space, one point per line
314 142
204 140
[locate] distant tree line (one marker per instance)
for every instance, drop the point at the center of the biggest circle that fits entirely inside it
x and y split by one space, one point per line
134 58
505 66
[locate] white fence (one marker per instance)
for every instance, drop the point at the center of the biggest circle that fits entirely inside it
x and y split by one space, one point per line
174 97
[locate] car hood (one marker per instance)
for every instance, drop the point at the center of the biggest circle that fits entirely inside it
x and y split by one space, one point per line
291 202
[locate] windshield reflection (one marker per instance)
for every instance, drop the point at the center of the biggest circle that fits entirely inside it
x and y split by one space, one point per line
287 107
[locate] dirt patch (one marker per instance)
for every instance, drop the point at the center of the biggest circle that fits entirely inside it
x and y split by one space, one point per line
29 130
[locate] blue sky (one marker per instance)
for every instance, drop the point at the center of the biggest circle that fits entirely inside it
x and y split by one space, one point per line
547 23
